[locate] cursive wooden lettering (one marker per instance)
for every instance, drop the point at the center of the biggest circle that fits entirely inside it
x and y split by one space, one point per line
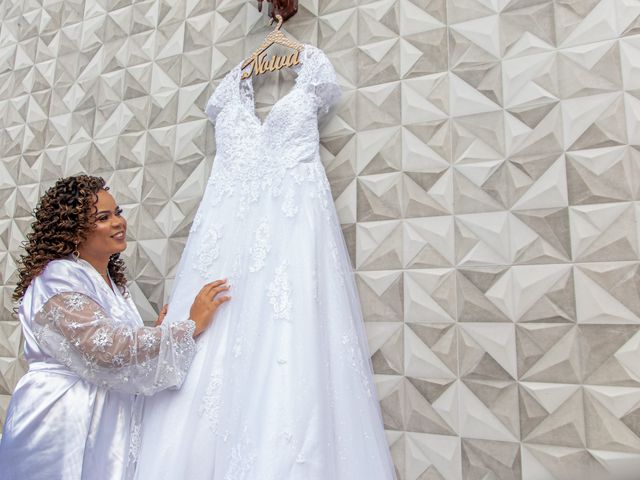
259 64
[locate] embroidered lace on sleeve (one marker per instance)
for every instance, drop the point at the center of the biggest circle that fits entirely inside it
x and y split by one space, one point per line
325 83
76 331
220 97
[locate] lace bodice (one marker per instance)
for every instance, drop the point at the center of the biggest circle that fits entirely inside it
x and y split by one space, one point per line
253 155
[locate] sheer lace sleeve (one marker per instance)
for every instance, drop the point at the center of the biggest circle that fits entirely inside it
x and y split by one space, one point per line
325 83
76 331
220 96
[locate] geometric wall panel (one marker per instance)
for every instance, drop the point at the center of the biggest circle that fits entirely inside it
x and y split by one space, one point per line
485 166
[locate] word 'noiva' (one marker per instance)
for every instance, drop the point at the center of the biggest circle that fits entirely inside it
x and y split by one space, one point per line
260 65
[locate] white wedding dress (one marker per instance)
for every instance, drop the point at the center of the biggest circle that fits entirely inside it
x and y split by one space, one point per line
281 386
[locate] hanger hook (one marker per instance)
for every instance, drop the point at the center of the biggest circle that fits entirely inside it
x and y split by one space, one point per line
280 21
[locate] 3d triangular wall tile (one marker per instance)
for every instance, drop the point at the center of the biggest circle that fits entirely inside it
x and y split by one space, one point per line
484 165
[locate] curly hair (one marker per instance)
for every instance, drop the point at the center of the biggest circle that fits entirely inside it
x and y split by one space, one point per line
63 218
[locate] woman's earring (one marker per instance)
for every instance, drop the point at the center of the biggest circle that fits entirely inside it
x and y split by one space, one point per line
75 253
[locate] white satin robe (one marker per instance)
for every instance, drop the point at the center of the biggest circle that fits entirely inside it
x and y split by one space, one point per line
75 414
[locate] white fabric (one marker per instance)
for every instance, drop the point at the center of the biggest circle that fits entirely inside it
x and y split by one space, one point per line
281 387
74 414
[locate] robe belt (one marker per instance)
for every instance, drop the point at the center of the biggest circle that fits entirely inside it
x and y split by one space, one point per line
50 368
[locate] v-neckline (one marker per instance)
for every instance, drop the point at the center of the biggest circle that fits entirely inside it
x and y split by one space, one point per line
251 97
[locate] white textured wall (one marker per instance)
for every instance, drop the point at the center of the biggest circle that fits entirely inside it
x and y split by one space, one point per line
485 163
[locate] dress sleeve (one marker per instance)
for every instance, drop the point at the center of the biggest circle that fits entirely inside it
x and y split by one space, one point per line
220 96
75 330
325 83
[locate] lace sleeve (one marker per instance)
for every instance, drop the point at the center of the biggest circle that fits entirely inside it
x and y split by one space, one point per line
325 84
75 330
220 96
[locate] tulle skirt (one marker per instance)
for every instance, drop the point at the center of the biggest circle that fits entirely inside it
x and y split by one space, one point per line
281 386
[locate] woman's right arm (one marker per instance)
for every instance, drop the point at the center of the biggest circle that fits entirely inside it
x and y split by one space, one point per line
75 330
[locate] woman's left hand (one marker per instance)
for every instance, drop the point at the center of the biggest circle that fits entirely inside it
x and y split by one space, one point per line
163 313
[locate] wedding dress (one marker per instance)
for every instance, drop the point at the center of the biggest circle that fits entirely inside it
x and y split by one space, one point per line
281 387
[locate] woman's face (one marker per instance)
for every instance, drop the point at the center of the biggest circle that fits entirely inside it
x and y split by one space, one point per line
108 236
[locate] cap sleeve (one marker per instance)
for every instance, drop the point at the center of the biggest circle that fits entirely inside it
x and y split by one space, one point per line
221 96
324 81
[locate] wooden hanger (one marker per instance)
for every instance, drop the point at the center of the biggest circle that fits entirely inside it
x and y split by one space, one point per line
260 65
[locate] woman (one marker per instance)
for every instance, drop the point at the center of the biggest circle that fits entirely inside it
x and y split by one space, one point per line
75 414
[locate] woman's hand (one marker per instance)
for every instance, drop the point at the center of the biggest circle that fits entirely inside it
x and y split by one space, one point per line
206 303
163 313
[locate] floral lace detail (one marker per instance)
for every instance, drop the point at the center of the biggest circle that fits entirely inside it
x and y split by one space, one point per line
73 329
208 251
289 208
197 220
75 301
149 341
261 247
238 344
249 184
102 339
321 80
234 275
119 360
354 354
242 459
335 255
134 441
55 314
251 160
280 294
211 401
